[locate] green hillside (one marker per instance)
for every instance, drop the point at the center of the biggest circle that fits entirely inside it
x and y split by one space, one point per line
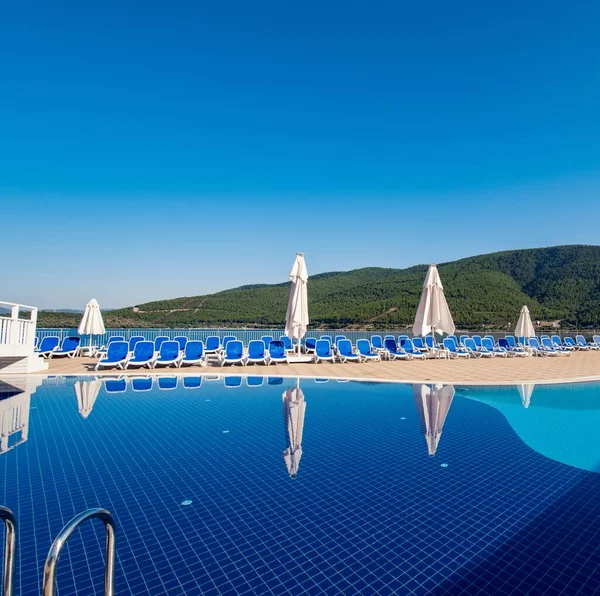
558 283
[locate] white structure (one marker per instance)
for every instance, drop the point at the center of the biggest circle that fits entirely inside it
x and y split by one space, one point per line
294 409
14 410
296 318
433 314
87 394
17 337
524 326
433 404
526 391
91 321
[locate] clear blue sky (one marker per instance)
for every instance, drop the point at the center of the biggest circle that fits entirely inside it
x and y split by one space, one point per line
152 150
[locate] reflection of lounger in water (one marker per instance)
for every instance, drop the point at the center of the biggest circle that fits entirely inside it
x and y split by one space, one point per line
233 382
167 382
141 383
115 385
192 382
294 408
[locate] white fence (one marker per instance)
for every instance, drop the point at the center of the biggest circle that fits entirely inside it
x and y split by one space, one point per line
17 329
247 335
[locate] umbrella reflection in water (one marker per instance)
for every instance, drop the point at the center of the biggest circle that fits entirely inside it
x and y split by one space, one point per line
87 393
433 404
294 408
525 391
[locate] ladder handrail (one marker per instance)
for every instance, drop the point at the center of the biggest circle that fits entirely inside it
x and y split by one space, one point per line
10 523
48 586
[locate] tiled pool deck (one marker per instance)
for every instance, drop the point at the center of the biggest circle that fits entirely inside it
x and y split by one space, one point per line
580 366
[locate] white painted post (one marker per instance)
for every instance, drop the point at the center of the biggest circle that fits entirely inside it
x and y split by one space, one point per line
32 329
13 331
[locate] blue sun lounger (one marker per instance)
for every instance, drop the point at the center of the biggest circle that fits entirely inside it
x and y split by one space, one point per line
47 345
310 344
277 353
182 341
453 350
376 343
134 340
512 350
116 356
430 342
143 354
168 355
212 345
407 345
471 347
233 353
193 353
323 351
539 350
583 344
287 343
419 344
549 346
227 339
337 339
67 348
392 352
159 341
365 352
346 352
257 352
102 351
267 339
487 345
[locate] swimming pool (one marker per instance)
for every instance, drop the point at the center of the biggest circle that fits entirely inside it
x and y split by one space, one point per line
256 485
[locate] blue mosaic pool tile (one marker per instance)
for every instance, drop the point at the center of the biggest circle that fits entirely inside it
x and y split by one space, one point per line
370 512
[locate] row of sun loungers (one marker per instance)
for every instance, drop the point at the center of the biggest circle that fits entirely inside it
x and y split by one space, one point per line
139 352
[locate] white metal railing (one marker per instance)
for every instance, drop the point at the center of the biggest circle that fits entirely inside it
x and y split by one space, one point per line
17 333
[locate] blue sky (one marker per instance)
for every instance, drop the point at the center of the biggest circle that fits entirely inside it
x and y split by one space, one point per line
153 150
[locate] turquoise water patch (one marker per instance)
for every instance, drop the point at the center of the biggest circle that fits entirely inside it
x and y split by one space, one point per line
561 422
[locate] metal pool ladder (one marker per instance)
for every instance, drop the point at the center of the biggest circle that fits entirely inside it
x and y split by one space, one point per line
49 582
10 544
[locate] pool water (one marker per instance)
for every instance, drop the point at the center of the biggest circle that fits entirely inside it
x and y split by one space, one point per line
279 486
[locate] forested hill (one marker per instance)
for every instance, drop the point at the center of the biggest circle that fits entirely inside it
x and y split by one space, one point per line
557 283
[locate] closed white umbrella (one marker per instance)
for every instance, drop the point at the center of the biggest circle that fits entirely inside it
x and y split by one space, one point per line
296 318
433 404
524 326
433 314
294 408
526 391
91 322
87 392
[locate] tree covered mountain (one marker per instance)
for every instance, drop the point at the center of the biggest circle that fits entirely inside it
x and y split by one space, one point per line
557 283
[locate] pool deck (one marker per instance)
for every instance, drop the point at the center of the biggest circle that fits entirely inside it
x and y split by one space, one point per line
580 366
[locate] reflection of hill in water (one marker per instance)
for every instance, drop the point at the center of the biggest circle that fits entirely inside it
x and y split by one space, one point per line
561 422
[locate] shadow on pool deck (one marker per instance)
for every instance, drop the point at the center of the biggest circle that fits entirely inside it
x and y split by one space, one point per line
557 553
